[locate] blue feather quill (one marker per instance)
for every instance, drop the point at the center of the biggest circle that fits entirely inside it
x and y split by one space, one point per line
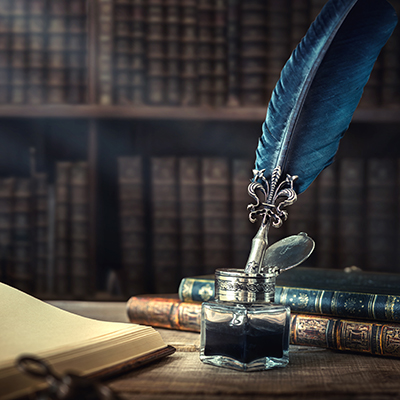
320 87
312 106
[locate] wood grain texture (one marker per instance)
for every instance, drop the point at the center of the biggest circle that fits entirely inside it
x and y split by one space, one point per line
312 373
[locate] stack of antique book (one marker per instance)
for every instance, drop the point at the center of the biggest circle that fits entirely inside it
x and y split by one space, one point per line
343 310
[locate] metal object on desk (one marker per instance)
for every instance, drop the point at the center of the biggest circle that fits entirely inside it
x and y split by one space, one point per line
67 387
275 197
243 328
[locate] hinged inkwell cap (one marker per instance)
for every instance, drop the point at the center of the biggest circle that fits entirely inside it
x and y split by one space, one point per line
256 283
236 285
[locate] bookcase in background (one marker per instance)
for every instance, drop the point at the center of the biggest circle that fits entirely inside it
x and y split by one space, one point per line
89 82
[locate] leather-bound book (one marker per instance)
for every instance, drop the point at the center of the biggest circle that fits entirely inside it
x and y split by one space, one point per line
216 195
253 53
62 264
132 223
105 52
155 52
190 216
188 52
79 230
164 223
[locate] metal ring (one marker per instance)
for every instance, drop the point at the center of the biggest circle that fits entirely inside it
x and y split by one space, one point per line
34 366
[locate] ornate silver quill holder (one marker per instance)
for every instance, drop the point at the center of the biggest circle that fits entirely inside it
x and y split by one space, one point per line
243 328
288 252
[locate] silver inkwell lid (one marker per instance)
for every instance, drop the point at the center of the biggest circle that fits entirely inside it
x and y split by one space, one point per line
256 283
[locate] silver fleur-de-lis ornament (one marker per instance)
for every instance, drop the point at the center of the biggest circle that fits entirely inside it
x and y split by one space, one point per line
271 199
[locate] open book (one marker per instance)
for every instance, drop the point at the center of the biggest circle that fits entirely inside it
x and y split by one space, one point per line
67 341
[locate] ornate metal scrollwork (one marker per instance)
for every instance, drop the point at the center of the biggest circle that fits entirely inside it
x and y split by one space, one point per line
275 197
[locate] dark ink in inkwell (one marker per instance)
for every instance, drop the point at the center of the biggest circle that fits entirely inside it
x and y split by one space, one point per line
244 335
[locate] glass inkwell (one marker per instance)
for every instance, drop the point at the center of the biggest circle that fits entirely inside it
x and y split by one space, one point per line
243 328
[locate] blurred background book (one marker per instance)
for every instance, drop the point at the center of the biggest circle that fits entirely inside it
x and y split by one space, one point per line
128 130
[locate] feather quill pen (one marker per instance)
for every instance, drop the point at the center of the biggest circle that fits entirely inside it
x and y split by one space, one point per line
314 100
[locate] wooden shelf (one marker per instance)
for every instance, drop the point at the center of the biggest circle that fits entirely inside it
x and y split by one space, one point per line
256 114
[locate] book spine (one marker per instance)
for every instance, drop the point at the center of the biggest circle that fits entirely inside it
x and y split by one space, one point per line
6 227
371 97
57 33
315 8
62 228
122 52
155 52
51 225
165 224
278 40
216 213
327 209
17 25
205 51
79 230
105 56
19 78
164 313
76 52
193 290
381 211
233 51
390 93
243 230
398 213
189 48
302 217
132 224
36 50
5 51
311 301
190 218
253 53
22 271
340 303
172 50
40 217
345 335
138 53
220 67
351 213
306 330
300 21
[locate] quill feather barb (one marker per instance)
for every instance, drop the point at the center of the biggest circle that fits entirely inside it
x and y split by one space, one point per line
312 106
320 87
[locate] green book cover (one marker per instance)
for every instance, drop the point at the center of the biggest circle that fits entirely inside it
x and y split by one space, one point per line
355 294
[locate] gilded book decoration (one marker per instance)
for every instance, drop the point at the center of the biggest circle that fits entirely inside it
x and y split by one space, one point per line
313 291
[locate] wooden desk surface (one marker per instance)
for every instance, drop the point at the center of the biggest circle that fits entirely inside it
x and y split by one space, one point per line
312 373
